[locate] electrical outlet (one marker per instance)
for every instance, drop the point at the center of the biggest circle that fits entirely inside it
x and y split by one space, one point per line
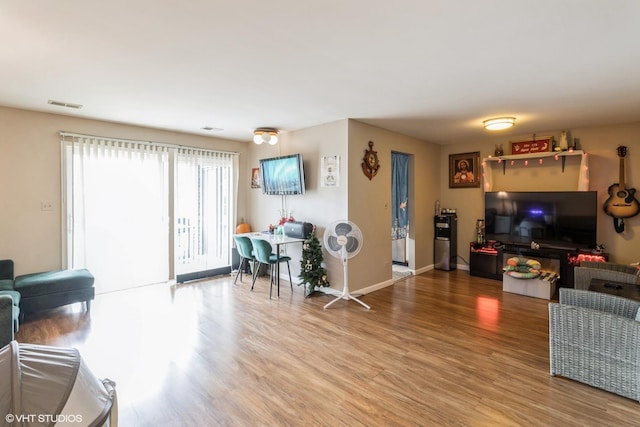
46 206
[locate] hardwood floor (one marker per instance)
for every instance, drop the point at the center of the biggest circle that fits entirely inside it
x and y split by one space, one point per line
441 348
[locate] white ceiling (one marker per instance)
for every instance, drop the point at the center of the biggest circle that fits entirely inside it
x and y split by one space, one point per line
425 68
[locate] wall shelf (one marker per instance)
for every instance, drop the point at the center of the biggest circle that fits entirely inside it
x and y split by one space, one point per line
562 155
583 182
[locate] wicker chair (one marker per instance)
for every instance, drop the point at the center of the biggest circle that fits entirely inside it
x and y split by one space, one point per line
595 339
604 270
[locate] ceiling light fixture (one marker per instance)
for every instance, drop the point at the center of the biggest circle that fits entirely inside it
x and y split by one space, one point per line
265 135
499 123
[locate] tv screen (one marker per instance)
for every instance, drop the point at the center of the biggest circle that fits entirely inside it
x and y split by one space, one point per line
565 219
282 175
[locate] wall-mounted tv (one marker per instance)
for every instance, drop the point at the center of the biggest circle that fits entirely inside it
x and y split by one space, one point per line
564 219
282 175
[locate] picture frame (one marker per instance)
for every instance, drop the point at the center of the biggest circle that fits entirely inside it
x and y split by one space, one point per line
330 171
464 170
255 178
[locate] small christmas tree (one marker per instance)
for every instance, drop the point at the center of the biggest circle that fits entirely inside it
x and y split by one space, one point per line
311 271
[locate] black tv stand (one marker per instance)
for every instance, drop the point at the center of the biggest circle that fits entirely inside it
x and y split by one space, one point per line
488 263
485 261
540 249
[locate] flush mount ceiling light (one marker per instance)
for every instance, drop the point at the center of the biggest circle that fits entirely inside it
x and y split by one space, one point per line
265 135
499 123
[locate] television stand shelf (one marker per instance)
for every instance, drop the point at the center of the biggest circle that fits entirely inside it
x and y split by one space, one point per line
486 261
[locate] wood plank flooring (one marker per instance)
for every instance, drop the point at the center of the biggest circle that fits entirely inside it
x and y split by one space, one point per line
441 348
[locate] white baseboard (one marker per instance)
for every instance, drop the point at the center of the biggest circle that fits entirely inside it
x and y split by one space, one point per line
380 285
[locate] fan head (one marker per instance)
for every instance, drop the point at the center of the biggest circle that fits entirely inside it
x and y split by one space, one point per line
343 237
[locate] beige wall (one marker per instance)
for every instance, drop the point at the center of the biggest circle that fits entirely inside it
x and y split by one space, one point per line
365 202
319 205
30 174
369 202
600 144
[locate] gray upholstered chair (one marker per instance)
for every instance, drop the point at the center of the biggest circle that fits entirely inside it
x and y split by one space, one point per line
263 251
595 339
603 270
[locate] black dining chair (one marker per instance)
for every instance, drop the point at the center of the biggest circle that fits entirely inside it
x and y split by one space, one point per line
263 252
245 250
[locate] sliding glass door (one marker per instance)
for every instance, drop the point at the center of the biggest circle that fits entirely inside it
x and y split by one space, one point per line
203 212
117 196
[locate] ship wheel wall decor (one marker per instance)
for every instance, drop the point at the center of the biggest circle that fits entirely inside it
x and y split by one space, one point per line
370 163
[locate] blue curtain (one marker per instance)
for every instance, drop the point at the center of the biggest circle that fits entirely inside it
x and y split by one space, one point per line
399 195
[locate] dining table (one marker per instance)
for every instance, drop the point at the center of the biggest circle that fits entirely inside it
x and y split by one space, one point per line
278 240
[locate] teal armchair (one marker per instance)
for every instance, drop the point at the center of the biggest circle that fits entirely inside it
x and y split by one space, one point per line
6 320
7 290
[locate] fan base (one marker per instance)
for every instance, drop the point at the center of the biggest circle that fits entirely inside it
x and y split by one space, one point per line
348 297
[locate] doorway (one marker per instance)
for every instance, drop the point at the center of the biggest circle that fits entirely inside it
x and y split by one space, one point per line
400 221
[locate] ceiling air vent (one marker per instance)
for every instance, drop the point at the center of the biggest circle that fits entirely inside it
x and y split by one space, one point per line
65 104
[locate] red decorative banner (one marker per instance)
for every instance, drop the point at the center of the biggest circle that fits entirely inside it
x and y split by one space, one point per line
541 145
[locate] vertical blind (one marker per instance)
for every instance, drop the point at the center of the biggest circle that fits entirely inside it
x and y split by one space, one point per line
203 211
116 198
116 204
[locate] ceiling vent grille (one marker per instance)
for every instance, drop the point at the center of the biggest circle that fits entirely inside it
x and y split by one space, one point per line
65 104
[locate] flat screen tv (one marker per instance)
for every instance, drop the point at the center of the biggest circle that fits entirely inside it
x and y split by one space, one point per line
560 219
282 175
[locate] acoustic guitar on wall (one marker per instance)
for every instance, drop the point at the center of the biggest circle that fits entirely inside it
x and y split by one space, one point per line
622 202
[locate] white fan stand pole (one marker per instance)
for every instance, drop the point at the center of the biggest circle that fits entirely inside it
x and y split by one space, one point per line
345 290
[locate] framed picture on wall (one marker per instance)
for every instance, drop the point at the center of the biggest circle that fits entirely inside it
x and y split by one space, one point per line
330 170
464 170
255 178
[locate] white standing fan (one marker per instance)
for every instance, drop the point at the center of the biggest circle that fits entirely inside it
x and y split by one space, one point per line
343 239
